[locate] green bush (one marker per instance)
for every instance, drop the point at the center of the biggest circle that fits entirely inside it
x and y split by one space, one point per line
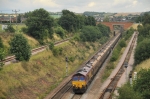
57 51
51 45
76 37
115 55
24 29
10 29
60 31
122 43
71 58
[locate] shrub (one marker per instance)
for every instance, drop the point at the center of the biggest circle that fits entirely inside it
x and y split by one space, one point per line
60 31
115 55
51 45
57 51
71 58
76 37
127 92
122 43
24 29
10 29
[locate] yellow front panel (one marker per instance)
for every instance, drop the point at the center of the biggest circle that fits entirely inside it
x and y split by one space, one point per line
78 84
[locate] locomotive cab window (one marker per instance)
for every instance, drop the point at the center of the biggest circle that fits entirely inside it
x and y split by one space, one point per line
81 78
75 78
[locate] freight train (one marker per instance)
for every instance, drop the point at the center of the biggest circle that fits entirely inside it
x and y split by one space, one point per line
82 78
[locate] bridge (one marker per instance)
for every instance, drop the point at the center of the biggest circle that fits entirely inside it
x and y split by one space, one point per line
112 25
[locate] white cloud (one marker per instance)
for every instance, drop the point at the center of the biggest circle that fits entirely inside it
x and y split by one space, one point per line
134 2
75 5
91 4
49 3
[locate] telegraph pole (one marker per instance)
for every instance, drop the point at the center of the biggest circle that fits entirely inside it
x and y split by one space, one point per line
16 16
66 66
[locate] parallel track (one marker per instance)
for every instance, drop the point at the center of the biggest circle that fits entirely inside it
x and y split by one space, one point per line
13 58
107 93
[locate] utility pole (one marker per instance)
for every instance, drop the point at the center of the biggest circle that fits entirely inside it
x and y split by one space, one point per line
10 19
66 66
16 16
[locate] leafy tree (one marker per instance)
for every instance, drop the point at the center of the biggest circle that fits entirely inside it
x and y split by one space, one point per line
81 21
39 24
69 21
20 48
90 21
90 33
105 30
19 18
144 31
142 84
142 51
146 19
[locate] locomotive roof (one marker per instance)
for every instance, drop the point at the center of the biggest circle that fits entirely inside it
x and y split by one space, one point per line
85 70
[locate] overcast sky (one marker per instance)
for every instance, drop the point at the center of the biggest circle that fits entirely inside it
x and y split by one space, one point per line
79 6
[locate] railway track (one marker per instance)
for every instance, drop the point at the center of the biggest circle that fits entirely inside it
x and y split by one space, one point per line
66 89
33 51
107 93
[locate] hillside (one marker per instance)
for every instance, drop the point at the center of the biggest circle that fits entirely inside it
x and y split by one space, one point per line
43 72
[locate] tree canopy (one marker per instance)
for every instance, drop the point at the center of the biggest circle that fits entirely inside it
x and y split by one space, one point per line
90 33
20 48
142 51
142 84
105 30
39 24
71 22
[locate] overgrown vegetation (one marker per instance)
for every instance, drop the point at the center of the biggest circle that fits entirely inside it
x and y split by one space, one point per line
117 52
43 72
140 89
142 49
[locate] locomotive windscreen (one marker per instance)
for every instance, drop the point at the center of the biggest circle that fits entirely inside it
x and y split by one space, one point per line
78 78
